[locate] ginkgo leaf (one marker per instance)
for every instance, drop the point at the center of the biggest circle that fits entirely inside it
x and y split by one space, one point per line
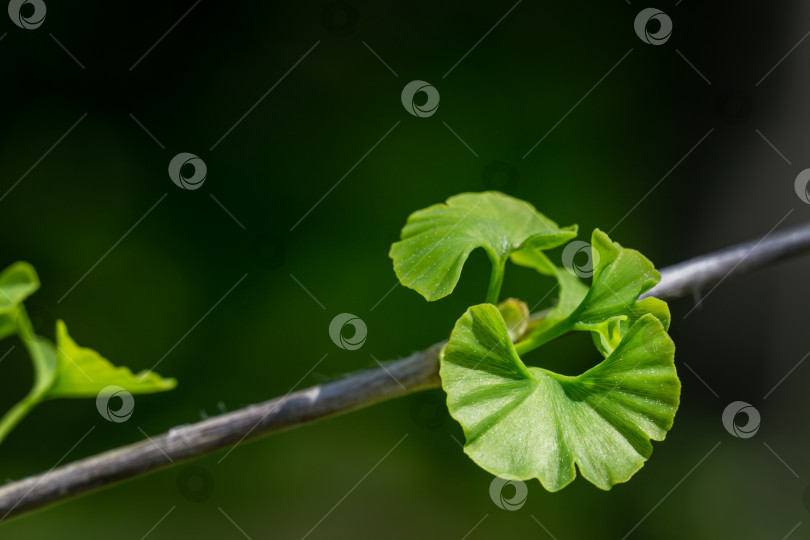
620 277
82 372
69 371
64 370
611 306
17 282
571 290
437 240
526 422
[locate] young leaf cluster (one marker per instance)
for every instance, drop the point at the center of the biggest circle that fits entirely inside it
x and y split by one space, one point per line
62 369
520 421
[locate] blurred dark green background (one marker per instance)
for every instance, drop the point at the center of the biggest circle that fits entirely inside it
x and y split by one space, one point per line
638 126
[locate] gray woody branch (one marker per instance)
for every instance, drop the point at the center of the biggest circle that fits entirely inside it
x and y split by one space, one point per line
412 374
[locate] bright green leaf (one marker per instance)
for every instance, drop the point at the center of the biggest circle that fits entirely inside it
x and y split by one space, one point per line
437 240
571 290
70 371
611 306
620 277
65 370
526 422
82 372
17 282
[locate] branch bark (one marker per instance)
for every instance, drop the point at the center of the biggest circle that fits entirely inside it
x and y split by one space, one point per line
417 372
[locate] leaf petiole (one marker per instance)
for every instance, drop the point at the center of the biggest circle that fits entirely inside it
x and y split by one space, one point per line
541 338
496 280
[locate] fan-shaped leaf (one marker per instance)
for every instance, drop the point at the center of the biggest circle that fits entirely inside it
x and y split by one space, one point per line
65 370
437 240
526 422
82 372
611 306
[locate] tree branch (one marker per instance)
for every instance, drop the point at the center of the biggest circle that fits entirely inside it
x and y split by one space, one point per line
412 374
683 278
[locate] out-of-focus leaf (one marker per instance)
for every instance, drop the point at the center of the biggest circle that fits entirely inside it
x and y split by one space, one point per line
82 372
17 282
